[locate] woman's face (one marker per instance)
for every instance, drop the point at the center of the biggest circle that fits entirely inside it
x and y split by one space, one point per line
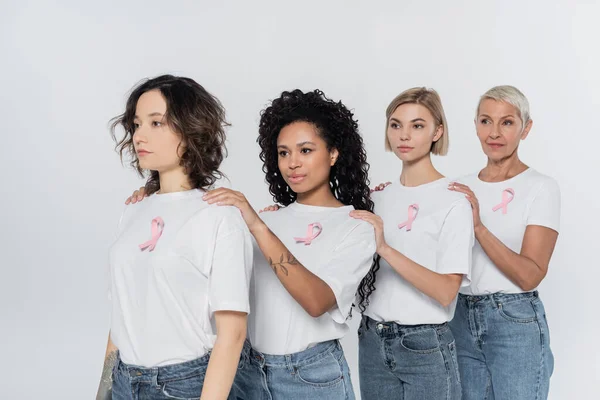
500 129
411 132
303 158
157 146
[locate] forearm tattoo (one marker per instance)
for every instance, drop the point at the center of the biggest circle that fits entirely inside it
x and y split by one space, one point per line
283 261
105 388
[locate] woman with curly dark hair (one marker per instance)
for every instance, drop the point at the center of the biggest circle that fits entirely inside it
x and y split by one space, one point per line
311 254
180 268
424 236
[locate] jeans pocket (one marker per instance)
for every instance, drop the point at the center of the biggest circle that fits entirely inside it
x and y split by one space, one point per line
188 388
323 372
521 311
423 341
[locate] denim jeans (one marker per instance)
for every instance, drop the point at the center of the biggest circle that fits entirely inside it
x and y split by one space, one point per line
177 381
503 346
407 362
320 372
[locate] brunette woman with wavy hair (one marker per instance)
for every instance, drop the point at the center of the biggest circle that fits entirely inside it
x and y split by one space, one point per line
180 268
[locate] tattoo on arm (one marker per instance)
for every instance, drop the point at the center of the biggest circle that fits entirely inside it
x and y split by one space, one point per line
105 388
281 265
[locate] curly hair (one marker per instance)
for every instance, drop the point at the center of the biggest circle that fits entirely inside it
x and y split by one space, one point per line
349 176
193 113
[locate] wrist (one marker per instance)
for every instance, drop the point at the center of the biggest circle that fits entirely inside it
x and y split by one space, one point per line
479 230
258 227
384 250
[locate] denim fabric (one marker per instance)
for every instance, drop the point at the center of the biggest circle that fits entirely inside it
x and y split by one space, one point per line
177 381
320 372
503 346
407 362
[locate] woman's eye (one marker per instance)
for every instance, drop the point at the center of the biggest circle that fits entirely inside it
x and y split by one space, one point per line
136 126
418 126
508 122
305 151
156 123
282 153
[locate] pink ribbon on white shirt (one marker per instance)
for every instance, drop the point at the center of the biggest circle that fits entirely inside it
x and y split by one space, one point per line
413 210
157 229
310 234
507 196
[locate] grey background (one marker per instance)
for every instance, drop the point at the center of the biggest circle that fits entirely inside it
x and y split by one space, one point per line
67 65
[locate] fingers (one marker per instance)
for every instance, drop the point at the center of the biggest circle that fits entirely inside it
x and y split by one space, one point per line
141 193
213 196
367 216
273 207
380 187
223 199
458 187
133 198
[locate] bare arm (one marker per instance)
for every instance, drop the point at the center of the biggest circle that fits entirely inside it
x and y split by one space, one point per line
225 356
110 358
527 268
440 287
310 291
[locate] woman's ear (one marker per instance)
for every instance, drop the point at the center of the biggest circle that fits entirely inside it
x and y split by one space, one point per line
334 153
439 132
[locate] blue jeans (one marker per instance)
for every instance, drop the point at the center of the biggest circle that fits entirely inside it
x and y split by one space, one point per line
503 346
320 372
177 381
407 362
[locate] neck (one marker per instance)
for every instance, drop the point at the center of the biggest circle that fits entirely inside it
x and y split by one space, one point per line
173 181
503 169
419 172
320 196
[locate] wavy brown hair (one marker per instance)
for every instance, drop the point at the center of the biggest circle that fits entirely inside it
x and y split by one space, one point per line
193 113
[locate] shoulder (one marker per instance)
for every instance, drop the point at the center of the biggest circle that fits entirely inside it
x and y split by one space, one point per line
542 179
468 179
544 185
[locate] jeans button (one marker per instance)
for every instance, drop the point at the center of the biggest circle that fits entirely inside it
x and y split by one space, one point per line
379 327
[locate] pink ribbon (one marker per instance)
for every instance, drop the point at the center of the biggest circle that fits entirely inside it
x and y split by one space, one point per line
310 234
507 196
157 229
413 210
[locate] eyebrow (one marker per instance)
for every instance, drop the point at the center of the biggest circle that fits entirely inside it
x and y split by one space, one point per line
414 120
283 146
154 114
506 116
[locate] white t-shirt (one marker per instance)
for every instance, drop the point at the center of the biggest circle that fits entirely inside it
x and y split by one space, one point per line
163 299
341 255
506 208
440 238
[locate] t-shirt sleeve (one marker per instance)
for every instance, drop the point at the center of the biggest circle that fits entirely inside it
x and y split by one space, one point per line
545 208
349 262
231 269
456 242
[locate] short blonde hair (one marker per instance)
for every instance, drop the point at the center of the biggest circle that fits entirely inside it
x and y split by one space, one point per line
429 99
511 95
